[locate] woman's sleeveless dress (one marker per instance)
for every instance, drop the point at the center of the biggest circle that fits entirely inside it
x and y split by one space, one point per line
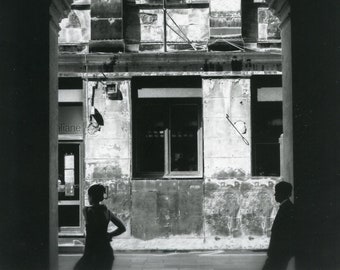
98 254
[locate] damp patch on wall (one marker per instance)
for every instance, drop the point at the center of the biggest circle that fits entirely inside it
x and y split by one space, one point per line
239 208
163 209
105 170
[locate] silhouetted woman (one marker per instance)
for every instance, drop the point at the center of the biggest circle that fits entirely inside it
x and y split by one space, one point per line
98 254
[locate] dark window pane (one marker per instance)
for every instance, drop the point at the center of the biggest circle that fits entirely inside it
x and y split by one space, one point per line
183 126
68 215
267 121
70 83
267 159
151 129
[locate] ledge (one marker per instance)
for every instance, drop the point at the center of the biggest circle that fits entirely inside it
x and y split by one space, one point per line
169 62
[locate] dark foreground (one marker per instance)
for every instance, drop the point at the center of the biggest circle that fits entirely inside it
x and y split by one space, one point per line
212 260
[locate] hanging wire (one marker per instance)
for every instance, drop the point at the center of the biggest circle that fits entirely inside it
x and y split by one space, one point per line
251 50
242 48
233 44
180 35
179 28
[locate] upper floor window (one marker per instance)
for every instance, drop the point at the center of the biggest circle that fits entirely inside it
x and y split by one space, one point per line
176 25
268 25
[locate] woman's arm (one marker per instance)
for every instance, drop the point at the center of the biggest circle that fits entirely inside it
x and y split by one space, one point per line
85 213
119 224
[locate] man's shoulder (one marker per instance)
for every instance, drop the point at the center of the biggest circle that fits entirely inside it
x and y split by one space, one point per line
288 203
287 207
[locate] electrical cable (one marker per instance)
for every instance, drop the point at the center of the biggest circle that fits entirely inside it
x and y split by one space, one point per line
188 40
179 35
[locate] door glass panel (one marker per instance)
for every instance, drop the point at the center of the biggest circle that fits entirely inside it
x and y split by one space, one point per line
68 172
184 126
68 186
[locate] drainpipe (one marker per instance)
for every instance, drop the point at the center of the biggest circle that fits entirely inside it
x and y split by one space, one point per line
281 156
164 22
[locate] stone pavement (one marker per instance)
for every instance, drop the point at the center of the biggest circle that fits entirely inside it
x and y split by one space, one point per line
207 260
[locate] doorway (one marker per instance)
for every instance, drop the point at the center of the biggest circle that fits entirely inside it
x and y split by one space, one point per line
69 187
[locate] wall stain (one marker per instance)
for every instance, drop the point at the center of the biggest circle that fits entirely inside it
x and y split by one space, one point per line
239 207
108 171
161 208
230 173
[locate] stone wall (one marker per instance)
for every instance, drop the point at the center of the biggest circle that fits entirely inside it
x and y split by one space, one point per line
226 154
226 209
164 208
108 151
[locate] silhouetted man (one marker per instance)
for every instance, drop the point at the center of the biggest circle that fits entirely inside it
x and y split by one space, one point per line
280 248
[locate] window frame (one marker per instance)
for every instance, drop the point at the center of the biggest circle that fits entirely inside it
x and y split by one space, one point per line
257 82
167 173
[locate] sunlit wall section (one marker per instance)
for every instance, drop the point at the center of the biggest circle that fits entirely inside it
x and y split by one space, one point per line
75 30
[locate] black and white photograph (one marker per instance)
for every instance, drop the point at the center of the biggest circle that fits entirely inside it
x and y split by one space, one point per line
169 135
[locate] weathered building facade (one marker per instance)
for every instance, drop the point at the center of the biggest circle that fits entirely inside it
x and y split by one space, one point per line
176 107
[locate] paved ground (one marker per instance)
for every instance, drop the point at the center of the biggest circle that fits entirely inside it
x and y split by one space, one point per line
214 260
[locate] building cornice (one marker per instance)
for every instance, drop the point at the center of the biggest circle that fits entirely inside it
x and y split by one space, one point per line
94 76
147 62
59 9
281 10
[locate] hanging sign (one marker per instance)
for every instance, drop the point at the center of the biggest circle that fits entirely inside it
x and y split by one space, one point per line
71 120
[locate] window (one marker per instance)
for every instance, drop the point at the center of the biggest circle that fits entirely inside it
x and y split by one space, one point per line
168 136
266 125
186 27
167 133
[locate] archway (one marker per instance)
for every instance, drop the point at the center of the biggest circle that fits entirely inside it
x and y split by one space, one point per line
28 106
28 53
309 133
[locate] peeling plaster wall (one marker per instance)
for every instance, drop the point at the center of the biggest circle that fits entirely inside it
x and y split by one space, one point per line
227 209
239 208
165 208
108 151
225 153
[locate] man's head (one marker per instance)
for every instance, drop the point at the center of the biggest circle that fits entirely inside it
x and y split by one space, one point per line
283 191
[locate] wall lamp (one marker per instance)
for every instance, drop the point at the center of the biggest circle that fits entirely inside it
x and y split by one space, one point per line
112 90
